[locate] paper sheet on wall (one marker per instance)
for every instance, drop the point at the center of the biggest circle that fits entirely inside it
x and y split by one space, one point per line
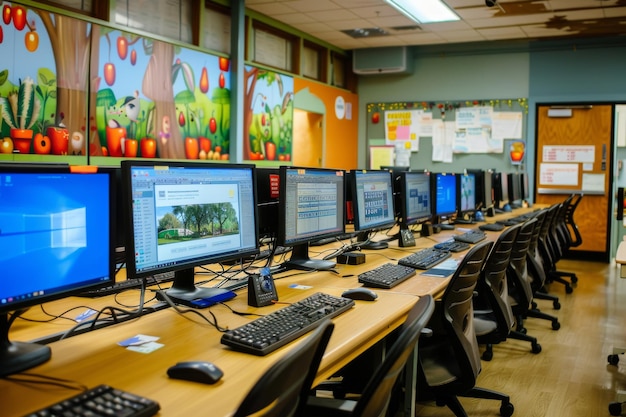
506 125
443 139
403 126
473 117
381 156
472 140
593 183
558 174
569 153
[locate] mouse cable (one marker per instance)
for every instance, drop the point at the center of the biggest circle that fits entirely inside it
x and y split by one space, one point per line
25 378
184 311
241 313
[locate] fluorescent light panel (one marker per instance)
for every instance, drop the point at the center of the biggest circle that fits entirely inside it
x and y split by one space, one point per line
425 11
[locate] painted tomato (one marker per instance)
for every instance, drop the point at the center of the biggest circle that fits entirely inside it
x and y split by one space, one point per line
133 57
42 144
148 148
1 35
204 80
375 117
31 40
222 80
224 63
270 151
130 148
213 125
19 17
109 73
181 119
191 148
6 14
122 47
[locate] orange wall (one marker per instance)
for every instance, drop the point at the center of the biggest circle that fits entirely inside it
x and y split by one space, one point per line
341 134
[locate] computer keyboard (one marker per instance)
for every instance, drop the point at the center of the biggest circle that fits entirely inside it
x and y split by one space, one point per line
425 258
102 400
386 276
128 284
508 222
471 236
452 246
491 227
274 330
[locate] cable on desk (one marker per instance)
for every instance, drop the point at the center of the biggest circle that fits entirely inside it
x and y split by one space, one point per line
26 378
182 312
129 314
241 313
54 316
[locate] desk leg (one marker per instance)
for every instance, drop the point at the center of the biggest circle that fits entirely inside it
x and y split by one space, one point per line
410 384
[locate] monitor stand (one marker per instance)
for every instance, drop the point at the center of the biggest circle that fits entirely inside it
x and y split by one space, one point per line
18 356
363 242
300 260
184 291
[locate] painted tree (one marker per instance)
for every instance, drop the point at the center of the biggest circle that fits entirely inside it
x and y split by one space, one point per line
158 86
69 38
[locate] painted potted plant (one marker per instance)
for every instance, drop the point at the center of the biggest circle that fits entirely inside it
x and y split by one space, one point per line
20 112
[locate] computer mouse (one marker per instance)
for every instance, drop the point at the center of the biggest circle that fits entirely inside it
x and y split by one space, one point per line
360 293
196 371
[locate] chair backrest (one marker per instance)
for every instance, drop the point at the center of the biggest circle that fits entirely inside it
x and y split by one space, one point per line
286 385
492 284
375 398
577 239
517 272
458 311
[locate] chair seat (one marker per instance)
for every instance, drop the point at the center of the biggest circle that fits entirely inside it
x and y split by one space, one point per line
437 367
483 324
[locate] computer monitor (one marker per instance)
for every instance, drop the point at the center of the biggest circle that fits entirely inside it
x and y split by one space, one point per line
443 188
371 196
500 191
55 239
268 191
467 195
414 198
524 186
515 189
311 207
484 189
184 214
118 219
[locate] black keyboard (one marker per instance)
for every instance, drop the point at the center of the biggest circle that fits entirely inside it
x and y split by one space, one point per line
508 222
471 236
491 227
128 284
452 246
102 400
267 333
386 276
425 258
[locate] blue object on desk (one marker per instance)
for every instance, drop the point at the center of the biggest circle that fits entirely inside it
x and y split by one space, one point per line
217 298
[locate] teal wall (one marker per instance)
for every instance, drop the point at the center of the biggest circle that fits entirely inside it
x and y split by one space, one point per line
563 71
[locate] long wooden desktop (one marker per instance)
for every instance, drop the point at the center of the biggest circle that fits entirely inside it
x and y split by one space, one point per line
95 357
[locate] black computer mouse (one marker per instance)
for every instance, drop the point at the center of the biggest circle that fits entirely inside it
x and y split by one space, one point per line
196 371
360 293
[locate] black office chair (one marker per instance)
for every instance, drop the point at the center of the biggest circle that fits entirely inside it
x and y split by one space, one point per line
449 360
283 389
561 240
375 399
493 316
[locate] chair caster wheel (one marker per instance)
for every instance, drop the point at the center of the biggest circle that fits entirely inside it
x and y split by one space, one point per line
556 305
487 356
507 409
613 359
536 348
615 409
574 279
569 289
556 325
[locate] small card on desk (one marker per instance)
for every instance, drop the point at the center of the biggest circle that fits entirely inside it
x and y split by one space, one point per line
444 269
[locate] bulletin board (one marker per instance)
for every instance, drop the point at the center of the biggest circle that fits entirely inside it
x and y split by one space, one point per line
428 133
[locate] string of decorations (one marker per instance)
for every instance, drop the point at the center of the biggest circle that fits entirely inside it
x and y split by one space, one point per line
447 106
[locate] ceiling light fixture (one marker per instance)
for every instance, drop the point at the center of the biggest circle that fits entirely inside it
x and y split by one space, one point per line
425 11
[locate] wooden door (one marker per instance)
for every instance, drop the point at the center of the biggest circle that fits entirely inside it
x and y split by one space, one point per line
576 150
307 138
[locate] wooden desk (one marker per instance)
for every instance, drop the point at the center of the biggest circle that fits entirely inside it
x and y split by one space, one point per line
95 357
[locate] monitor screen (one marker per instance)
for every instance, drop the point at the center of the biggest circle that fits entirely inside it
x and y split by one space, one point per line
414 197
524 184
515 188
371 200
487 196
443 187
500 189
466 187
312 206
184 214
55 239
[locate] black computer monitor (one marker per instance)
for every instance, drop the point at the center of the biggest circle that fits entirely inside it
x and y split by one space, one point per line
484 189
312 207
268 191
371 196
414 198
524 185
55 239
444 195
500 191
118 219
467 194
515 189
184 214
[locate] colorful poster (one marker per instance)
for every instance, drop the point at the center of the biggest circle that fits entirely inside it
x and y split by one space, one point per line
403 125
